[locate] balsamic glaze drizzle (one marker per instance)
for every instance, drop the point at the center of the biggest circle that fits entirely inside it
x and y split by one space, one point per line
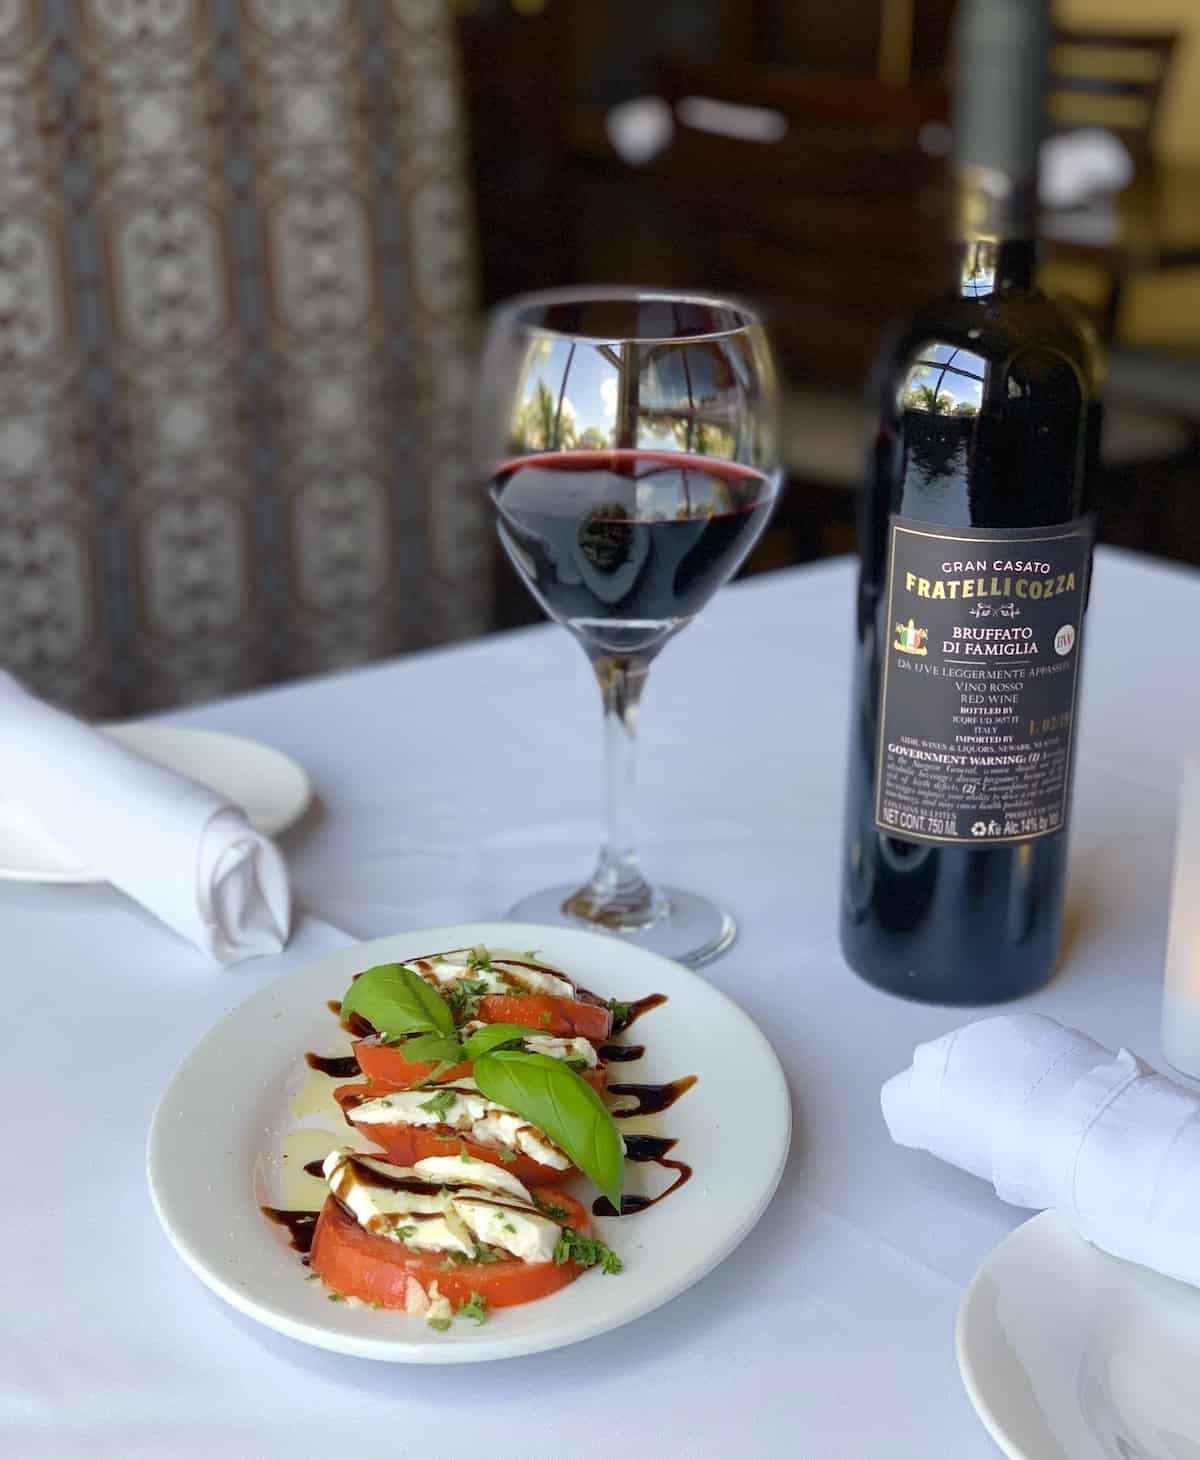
636 1009
356 1024
640 1149
651 1099
620 1054
341 1067
652 1150
300 1227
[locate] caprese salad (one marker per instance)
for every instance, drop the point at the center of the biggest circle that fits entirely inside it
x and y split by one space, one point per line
483 1079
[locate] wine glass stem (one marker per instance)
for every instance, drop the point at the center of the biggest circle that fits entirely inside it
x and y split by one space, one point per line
618 895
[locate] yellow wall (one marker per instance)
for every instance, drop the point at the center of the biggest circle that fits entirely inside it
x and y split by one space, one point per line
1163 310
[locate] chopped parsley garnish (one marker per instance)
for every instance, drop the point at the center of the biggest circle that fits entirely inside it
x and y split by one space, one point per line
486 1255
621 1013
545 1017
507 1156
479 957
586 1251
440 1104
474 1307
439 1325
508 1226
404 1233
336 1297
576 1064
551 1209
463 997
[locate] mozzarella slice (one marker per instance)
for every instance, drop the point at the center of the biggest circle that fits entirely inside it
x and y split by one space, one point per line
527 1235
499 978
563 1049
462 1171
469 1112
557 1048
458 1204
422 1221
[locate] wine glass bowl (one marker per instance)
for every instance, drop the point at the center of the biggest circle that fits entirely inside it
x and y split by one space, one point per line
629 444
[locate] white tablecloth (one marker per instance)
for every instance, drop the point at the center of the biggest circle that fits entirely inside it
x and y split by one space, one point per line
448 784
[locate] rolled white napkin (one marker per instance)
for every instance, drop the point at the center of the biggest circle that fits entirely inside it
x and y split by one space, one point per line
176 847
1053 1119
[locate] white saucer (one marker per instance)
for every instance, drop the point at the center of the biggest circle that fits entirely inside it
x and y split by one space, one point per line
268 785
244 1112
1069 1354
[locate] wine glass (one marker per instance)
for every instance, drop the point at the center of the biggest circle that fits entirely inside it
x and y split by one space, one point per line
629 441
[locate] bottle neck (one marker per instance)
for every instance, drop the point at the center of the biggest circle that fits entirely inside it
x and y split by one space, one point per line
995 233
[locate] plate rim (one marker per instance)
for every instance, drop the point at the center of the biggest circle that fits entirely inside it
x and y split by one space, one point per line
83 876
426 1351
967 1369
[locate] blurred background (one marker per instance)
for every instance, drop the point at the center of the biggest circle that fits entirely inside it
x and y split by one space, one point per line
245 247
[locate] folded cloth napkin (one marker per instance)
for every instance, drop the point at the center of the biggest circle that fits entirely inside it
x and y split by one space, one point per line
176 847
1053 1119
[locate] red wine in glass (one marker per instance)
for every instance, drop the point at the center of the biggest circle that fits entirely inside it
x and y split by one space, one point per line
625 547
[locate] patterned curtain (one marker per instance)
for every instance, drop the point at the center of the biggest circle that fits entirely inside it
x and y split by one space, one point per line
236 319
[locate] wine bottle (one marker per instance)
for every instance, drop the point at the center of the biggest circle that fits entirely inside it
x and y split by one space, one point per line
975 543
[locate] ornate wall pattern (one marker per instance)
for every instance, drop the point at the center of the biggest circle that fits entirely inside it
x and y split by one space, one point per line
236 304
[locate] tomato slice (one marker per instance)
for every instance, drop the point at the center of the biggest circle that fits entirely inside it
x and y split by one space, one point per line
385 1066
546 1014
408 1143
360 1264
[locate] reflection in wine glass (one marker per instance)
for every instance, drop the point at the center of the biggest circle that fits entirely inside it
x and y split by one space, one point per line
629 442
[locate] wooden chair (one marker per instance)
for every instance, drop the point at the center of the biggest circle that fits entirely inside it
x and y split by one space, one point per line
836 225
1110 79
1116 81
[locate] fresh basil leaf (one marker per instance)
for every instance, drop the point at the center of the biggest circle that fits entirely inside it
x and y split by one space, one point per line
482 1041
394 1000
425 1048
558 1102
438 1071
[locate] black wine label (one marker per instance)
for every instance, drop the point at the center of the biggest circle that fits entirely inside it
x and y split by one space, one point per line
981 653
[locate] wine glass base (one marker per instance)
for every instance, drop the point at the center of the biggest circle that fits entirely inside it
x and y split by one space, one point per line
693 930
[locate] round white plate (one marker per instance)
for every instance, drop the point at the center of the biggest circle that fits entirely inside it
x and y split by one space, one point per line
268 785
244 1100
1069 1354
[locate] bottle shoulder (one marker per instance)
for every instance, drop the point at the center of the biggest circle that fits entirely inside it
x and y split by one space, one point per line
995 330
984 409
